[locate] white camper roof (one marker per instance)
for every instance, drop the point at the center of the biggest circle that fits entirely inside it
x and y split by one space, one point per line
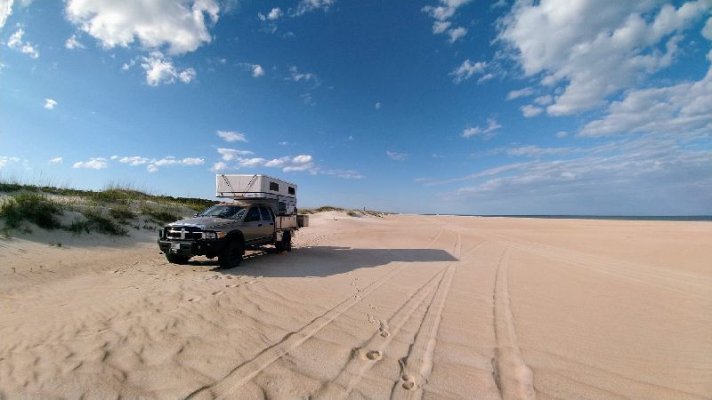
253 186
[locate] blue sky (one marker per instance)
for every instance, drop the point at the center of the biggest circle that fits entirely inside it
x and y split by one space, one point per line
449 106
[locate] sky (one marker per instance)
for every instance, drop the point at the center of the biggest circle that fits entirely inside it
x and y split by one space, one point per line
595 107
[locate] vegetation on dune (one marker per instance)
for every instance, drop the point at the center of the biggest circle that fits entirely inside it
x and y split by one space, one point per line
109 211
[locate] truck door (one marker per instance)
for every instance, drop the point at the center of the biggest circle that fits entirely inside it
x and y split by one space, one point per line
252 225
267 222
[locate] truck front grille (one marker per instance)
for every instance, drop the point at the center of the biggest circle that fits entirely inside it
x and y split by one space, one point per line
183 233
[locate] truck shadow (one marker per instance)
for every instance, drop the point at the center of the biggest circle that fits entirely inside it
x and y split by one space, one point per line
324 261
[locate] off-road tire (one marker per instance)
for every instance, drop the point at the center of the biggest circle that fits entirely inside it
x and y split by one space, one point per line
177 259
285 243
231 256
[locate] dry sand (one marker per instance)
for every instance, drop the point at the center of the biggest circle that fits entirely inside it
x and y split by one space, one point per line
400 307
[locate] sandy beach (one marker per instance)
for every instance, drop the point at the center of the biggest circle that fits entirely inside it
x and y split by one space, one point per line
368 308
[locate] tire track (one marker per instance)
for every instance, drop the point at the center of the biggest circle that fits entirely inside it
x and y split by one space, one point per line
513 377
243 373
418 364
352 373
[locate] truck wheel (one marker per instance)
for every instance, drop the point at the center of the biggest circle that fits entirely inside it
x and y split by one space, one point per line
231 255
285 243
177 259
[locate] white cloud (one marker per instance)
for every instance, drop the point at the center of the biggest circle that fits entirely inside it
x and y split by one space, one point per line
683 109
341 173
706 31
134 160
50 104
73 43
306 6
5 160
93 163
274 14
297 76
562 134
515 94
442 15
172 161
456 33
531 111
593 49
15 42
396 156
544 100
487 131
5 11
160 70
536 151
467 69
633 177
232 136
440 26
377 106
232 154
56 160
181 26
257 71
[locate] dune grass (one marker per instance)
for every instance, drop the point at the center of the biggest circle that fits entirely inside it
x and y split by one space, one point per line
110 211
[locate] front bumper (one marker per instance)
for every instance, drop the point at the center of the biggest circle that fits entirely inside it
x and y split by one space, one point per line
190 248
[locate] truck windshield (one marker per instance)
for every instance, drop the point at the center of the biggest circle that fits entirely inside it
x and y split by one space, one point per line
222 211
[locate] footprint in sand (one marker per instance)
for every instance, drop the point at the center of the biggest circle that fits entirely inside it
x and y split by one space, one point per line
374 355
408 383
233 285
218 293
195 299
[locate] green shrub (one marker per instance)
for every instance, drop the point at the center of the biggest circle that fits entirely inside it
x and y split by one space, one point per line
121 213
97 222
160 215
31 207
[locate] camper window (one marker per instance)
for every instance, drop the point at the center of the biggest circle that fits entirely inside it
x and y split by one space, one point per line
291 190
274 186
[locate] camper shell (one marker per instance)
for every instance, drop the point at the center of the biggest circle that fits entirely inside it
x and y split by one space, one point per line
263 187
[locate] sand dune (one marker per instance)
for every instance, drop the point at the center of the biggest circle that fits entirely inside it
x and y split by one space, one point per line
401 307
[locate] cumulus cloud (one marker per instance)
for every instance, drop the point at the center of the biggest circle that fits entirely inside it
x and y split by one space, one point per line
592 49
5 11
92 163
232 136
160 70
442 15
255 69
396 156
486 132
56 160
73 43
531 111
15 42
297 76
232 154
306 6
50 104
179 26
5 160
274 14
515 94
685 109
467 69
377 106
134 160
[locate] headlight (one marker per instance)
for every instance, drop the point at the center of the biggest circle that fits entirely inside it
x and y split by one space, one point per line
213 235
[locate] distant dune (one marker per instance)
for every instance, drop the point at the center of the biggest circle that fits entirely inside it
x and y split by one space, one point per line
374 306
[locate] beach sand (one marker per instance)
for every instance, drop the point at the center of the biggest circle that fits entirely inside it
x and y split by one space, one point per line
398 307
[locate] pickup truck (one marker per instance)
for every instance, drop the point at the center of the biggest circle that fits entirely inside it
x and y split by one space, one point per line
225 230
